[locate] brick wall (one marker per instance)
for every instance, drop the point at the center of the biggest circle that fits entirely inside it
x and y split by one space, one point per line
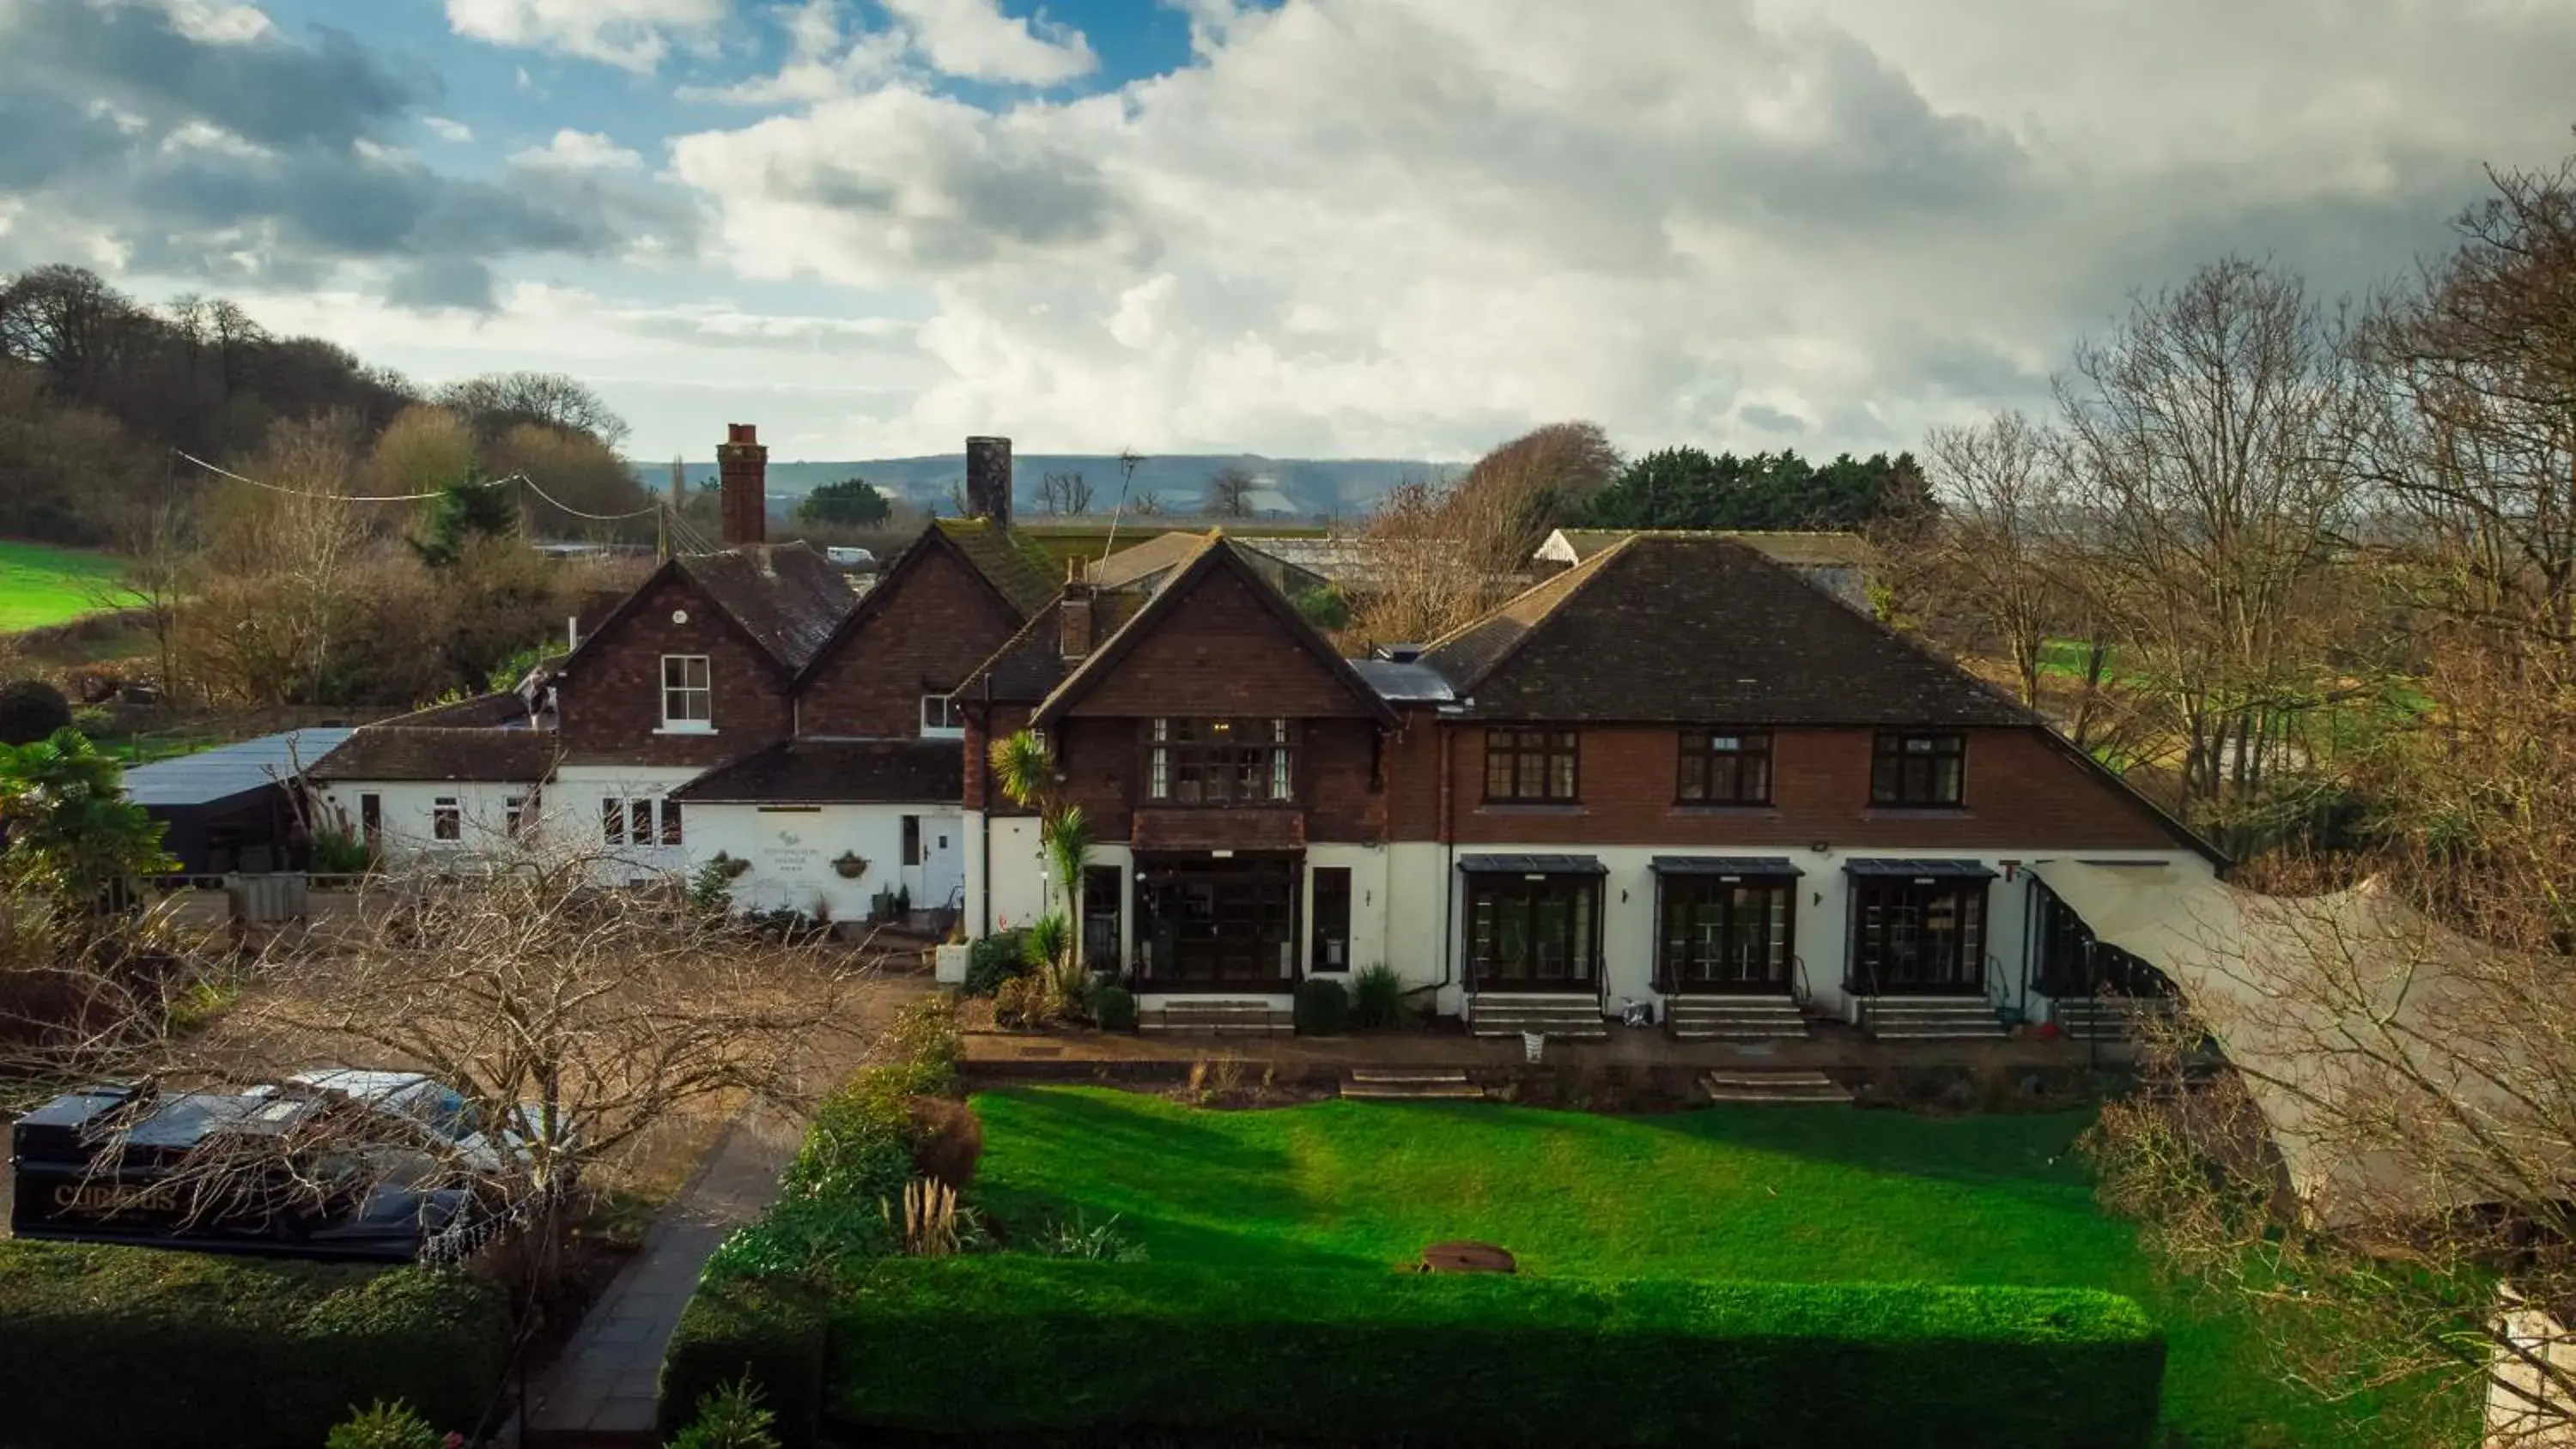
2021 793
611 703
1413 777
1221 652
939 622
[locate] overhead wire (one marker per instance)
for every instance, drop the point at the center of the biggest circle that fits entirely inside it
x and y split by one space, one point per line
521 479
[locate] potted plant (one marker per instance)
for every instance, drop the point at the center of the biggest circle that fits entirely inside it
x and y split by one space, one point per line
848 866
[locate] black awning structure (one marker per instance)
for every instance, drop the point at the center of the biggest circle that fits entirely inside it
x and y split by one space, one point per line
1531 865
1723 865
1918 869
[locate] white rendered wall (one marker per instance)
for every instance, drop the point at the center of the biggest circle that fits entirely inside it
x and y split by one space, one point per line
407 814
791 853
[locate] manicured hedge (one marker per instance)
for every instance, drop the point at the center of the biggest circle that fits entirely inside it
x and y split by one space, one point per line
138 1348
770 1329
1100 1351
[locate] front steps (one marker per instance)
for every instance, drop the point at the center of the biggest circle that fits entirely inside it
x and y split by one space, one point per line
1773 1088
1217 1018
1566 1015
1410 1084
1734 1018
1930 1018
2108 1018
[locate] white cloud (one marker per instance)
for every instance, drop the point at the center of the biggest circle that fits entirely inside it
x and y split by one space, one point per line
219 22
822 61
449 130
974 40
578 151
1351 226
634 34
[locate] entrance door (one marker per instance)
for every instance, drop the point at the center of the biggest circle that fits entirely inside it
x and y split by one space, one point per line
942 853
1210 923
1533 933
1104 892
371 821
1725 935
1918 938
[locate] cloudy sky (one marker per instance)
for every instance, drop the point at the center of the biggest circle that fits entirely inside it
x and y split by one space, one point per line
1312 227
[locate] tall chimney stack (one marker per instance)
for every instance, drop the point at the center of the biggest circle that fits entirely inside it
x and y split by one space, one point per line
742 472
988 480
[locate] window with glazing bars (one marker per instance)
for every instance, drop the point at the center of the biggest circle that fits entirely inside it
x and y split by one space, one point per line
1221 762
1725 768
1530 766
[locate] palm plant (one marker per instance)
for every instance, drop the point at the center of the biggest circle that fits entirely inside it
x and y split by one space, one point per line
1026 773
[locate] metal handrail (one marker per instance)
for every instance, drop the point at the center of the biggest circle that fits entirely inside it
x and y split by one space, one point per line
1801 991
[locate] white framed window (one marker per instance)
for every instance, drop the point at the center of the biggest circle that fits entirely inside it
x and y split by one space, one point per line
514 811
612 821
688 694
446 818
941 717
639 820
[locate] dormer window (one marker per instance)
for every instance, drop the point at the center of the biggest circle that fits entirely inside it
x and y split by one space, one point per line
688 695
942 718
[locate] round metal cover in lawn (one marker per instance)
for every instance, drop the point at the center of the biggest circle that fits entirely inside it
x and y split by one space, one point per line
1464 1257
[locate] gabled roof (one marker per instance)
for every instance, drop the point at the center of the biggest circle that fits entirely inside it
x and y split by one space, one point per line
812 771
401 752
500 709
970 545
785 599
1014 565
1701 629
1795 547
1215 551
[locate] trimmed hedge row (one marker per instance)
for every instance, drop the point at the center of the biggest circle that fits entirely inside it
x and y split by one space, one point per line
141 1348
1102 1351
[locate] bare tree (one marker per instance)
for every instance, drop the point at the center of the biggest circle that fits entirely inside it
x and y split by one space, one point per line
2475 442
2211 433
158 571
1063 493
1537 481
1987 563
1229 491
1431 548
500 401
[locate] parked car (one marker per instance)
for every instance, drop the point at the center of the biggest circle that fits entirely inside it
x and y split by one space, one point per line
399 1115
242 1172
851 558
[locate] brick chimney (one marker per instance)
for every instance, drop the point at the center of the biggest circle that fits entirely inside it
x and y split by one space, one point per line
988 480
742 471
1073 614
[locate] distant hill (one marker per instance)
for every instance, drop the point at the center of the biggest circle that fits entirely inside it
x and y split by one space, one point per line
1304 487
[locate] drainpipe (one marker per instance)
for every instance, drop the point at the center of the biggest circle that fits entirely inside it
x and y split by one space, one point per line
1448 871
984 825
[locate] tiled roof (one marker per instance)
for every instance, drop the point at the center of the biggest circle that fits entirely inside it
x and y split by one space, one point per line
787 597
1028 668
1214 550
397 752
1016 566
837 772
1700 629
1159 554
1405 681
504 707
1814 549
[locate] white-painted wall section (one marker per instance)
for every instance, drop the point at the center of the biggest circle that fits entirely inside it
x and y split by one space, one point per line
793 853
409 812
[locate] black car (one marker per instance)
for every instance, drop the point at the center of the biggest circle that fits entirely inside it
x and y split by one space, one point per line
219 1172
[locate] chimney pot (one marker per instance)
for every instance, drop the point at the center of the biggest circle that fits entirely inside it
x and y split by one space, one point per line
742 469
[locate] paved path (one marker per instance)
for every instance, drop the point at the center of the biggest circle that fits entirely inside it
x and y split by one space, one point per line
601 1390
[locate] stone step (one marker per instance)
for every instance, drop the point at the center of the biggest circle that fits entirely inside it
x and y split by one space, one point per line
1561 1016
1785 1087
1423 1084
1218 1018
2111 1020
1742 1018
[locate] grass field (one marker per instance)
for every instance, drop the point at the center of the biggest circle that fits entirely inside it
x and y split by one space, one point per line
40 585
1808 1194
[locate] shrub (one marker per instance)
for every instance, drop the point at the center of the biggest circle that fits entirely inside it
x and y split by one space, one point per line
1086 1240
142 1348
1323 1007
730 1418
1377 998
384 1425
339 852
94 720
1113 1007
994 959
31 710
948 1140
1131 1351
767 1335
1020 1001
1046 941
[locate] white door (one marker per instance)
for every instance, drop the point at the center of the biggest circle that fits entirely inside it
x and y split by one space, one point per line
943 862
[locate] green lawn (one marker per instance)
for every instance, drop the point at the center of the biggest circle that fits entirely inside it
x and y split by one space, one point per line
40 585
1814 1194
